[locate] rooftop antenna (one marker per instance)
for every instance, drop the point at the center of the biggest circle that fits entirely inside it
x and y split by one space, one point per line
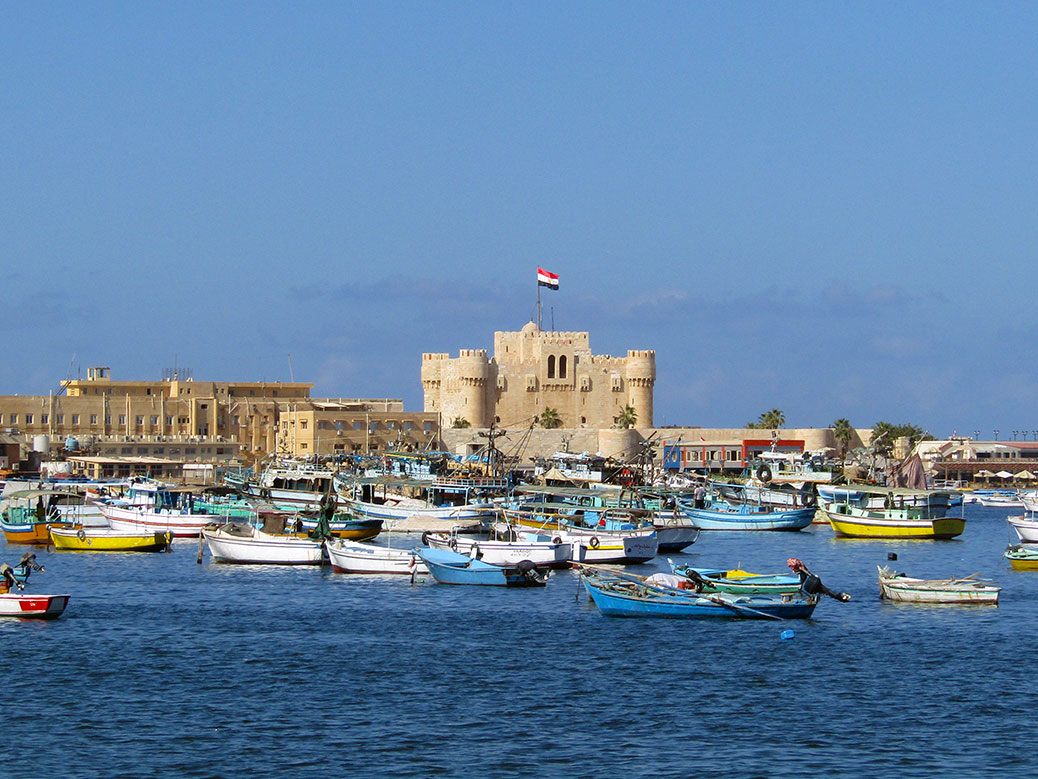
291 374
68 377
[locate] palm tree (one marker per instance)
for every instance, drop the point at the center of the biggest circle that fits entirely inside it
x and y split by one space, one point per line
843 433
460 422
627 417
771 419
550 419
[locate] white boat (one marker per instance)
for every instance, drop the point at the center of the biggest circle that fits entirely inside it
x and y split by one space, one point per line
538 548
354 557
1008 500
237 542
967 589
32 606
154 507
1029 499
1026 527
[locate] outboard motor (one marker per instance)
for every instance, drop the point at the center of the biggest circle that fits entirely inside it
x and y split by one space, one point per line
529 569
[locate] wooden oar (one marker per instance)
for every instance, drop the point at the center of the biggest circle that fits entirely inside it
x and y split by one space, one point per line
671 591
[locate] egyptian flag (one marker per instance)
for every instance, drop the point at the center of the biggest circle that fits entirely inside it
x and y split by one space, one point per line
545 279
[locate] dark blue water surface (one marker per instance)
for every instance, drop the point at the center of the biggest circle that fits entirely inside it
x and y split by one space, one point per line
161 667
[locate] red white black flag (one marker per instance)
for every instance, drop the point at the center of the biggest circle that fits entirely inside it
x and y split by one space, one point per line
545 279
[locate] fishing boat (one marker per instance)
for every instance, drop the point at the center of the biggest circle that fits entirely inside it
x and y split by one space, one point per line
515 547
449 567
290 484
737 581
1025 526
897 523
454 499
32 606
967 589
151 506
100 539
27 606
1005 500
719 514
341 525
621 595
353 557
607 534
240 542
1022 557
25 525
931 503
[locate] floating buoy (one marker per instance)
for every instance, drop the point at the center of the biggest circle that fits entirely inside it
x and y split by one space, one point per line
891 555
787 635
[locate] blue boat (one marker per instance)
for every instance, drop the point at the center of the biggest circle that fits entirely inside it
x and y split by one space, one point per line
449 567
719 514
623 596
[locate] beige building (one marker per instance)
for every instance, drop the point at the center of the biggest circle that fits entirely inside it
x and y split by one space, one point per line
178 416
532 370
337 427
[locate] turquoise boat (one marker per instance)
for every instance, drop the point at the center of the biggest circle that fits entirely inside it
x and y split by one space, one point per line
737 581
719 514
620 596
449 567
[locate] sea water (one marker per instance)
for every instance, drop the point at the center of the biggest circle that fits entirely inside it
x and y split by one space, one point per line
162 667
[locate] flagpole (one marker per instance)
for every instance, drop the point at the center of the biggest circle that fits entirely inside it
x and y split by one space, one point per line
538 304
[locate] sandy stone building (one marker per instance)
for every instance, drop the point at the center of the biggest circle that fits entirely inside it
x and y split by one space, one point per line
532 370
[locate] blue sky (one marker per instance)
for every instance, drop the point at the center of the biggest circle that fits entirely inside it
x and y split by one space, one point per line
825 208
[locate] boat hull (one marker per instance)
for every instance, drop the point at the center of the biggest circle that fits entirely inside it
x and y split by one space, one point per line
707 519
141 520
905 589
262 549
106 540
546 552
32 606
350 557
682 605
893 524
1026 528
450 568
33 534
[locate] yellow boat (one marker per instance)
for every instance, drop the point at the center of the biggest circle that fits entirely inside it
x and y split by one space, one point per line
1022 558
894 523
100 539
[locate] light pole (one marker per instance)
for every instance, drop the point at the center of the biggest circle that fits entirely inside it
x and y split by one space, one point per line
996 435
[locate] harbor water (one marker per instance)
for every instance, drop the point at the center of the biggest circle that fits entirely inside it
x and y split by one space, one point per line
162 667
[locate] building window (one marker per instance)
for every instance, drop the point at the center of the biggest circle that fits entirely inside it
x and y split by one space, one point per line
551 366
44 419
75 419
302 424
562 367
358 425
427 427
408 425
14 419
61 419
302 446
169 421
154 421
28 419
122 419
127 450
140 421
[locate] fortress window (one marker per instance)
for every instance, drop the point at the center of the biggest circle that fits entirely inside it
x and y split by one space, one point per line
562 367
551 366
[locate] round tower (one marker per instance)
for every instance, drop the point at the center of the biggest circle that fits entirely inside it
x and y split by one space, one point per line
432 367
473 373
641 377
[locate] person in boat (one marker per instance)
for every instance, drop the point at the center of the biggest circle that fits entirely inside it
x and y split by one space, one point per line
811 584
699 496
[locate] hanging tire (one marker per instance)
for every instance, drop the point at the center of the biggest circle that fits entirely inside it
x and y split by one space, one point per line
81 534
764 474
594 542
453 544
809 500
557 540
425 538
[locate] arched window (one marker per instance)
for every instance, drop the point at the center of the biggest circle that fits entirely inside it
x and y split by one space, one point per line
551 366
562 367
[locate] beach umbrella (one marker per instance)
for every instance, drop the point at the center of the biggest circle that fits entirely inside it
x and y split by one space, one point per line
1004 475
985 474
1024 475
